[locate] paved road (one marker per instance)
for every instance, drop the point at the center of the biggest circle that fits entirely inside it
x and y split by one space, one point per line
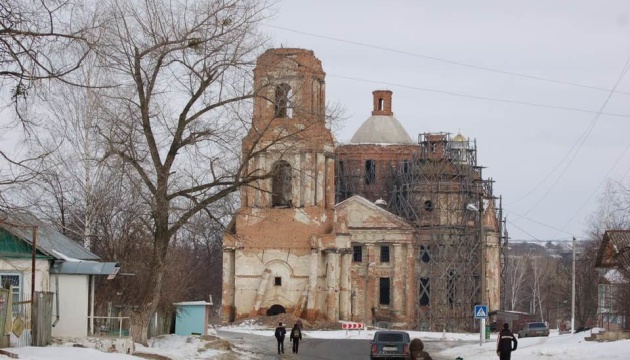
264 347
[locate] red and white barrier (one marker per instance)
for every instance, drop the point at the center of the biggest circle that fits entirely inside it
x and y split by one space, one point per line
353 326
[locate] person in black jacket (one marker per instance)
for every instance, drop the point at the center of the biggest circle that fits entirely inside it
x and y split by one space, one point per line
295 337
279 334
504 343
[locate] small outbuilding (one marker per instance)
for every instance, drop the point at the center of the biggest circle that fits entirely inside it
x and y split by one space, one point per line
192 317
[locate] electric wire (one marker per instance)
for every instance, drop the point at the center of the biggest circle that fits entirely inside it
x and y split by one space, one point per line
537 222
579 143
476 97
596 190
443 60
582 139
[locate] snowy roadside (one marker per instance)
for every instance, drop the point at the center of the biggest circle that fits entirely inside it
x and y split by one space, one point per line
175 347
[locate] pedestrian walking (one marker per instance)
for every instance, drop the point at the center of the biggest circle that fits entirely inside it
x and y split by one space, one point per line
296 337
279 334
416 350
504 343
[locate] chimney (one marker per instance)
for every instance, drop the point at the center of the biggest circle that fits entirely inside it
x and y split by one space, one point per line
382 102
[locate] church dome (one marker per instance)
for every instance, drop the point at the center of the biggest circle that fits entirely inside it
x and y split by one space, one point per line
459 137
382 127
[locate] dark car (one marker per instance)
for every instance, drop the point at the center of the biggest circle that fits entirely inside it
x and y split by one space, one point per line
533 329
389 344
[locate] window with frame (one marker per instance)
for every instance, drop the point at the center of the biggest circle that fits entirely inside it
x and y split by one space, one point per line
425 291
450 286
370 172
281 184
424 254
385 253
277 281
384 289
357 253
405 166
282 107
15 280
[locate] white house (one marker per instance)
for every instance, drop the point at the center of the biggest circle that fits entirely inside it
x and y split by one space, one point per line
61 266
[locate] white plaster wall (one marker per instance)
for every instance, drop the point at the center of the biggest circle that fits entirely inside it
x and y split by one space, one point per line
24 268
293 269
73 305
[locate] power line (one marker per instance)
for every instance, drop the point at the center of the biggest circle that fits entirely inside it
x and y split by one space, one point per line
476 97
444 60
521 216
523 230
582 140
548 240
594 192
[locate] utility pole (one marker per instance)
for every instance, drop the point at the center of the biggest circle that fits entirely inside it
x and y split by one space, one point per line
482 245
573 291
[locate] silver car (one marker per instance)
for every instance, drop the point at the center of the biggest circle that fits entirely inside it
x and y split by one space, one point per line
533 329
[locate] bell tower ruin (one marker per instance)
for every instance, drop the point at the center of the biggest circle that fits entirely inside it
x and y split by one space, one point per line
282 253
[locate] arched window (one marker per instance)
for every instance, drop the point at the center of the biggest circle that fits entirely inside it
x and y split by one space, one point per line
282 105
281 187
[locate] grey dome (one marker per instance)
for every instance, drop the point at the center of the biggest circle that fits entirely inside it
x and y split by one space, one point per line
381 129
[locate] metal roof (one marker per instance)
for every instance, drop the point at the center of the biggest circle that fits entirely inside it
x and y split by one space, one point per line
49 240
85 268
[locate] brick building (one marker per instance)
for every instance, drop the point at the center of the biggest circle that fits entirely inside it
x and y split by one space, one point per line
283 253
401 245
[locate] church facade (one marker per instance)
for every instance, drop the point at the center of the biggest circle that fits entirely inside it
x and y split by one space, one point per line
344 232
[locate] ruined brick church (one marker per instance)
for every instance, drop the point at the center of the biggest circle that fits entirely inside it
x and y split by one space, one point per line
384 229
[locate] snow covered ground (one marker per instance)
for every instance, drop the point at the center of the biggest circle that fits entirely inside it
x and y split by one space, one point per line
558 347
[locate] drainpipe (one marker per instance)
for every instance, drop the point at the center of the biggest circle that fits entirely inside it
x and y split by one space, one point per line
57 299
92 304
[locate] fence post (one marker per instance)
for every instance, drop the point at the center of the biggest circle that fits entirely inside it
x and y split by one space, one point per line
42 318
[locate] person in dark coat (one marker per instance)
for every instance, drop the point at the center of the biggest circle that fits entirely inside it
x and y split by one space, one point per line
295 337
279 334
416 350
504 343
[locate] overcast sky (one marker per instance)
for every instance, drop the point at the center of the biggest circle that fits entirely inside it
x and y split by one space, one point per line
526 79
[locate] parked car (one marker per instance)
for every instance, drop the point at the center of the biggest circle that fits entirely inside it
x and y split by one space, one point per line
389 344
533 329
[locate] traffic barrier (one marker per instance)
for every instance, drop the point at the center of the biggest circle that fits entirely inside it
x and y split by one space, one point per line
353 326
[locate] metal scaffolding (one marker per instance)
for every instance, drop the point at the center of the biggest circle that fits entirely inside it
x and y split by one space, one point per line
441 190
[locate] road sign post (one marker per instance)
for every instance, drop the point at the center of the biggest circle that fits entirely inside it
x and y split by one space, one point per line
481 313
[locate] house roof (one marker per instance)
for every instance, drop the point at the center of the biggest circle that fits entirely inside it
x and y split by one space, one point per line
612 243
49 241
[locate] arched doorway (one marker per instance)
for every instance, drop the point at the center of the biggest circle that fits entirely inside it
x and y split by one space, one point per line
276 310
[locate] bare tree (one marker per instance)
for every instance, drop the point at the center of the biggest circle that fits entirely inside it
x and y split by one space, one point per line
539 266
41 42
515 279
38 41
182 69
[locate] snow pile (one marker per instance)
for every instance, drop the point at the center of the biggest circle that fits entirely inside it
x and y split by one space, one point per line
178 347
65 353
560 347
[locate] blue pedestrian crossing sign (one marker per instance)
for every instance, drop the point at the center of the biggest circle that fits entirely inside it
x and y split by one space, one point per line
481 311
